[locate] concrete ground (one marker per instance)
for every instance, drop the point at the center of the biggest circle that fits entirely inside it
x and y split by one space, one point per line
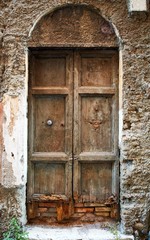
80 232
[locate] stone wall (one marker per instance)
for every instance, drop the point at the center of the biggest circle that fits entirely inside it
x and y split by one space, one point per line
17 20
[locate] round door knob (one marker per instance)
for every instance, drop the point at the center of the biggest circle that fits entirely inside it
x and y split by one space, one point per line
49 122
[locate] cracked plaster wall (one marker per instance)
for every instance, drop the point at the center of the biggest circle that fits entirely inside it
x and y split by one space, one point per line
17 18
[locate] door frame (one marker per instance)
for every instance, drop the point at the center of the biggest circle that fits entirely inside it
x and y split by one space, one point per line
115 165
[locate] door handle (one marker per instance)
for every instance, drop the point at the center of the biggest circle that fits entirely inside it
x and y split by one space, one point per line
49 122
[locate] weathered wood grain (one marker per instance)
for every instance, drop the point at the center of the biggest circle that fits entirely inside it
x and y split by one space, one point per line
76 157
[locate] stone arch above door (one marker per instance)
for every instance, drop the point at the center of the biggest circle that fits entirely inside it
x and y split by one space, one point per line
73 26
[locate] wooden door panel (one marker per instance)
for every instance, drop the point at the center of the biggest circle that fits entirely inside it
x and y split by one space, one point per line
49 178
96 71
96 185
50 146
49 138
49 71
96 124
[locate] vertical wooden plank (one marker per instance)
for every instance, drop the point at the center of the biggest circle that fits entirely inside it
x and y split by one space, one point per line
32 209
69 124
76 127
1 139
115 129
115 77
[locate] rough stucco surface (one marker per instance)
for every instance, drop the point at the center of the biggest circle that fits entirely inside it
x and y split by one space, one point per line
17 18
73 26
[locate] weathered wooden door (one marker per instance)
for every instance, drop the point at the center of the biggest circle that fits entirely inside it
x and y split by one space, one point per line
73 133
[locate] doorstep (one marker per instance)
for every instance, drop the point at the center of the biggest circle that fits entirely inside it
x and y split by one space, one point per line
81 232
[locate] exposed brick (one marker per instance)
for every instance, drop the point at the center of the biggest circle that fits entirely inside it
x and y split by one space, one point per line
84 210
79 205
47 205
102 209
52 210
42 210
102 214
94 205
48 214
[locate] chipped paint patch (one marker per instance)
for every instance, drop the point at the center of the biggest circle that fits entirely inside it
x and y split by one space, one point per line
13 114
14 128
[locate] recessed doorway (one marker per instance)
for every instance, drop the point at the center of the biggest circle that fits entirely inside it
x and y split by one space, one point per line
73 134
